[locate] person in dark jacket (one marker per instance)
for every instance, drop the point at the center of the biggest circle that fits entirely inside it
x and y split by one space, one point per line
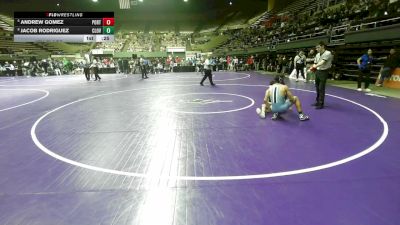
364 65
392 61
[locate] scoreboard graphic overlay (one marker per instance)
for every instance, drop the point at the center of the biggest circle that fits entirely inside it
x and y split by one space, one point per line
64 26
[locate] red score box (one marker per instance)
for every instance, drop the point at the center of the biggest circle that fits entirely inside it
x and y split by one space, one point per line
108 21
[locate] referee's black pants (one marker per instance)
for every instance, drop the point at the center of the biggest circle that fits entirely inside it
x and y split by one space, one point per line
87 73
143 69
300 67
207 73
364 75
320 83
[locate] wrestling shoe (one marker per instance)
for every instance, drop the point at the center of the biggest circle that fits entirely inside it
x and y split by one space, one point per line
303 117
261 113
275 116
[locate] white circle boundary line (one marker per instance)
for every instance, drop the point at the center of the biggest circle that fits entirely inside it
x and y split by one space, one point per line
27 103
186 81
215 178
215 112
47 85
6 80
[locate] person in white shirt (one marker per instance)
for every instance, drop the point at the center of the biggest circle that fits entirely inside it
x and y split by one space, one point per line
13 68
299 63
323 62
9 69
95 69
86 69
235 63
207 72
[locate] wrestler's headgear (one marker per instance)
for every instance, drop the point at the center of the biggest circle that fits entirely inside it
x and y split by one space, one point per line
279 79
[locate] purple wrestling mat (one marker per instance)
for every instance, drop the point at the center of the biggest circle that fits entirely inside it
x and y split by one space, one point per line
166 150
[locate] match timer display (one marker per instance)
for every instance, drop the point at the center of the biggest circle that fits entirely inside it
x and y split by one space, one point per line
64 26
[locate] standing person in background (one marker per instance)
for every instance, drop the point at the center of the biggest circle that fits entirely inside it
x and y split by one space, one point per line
13 68
299 64
310 76
284 65
17 65
229 63
34 68
264 63
278 63
45 66
201 66
125 66
257 62
172 65
86 70
235 63
57 68
136 65
207 72
25 68
95 69
222 62
2 70
167 64
290 65
364 65
241 63
160 67
143 67
323 62
250 63
131 66
8 68
392 61
120 66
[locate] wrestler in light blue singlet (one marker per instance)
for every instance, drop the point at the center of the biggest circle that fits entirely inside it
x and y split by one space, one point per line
279 102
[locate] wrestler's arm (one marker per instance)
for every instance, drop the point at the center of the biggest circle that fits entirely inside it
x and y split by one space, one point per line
289 94
266 99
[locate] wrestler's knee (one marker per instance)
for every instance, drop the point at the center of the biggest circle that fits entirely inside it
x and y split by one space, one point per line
295 99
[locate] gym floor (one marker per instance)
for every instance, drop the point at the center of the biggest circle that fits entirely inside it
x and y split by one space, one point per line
167 151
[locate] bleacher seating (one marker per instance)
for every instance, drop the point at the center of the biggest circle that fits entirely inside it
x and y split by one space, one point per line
6 23
7 42
300 20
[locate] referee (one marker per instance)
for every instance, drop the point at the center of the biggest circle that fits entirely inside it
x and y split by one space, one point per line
323 62
207 72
